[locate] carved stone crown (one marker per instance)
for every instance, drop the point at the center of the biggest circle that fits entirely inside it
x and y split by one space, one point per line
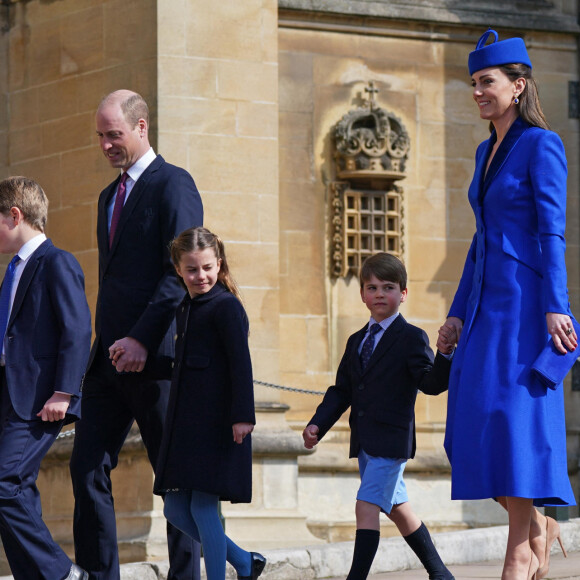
371 143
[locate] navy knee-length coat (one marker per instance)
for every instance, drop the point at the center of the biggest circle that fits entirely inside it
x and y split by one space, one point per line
506 432
211 389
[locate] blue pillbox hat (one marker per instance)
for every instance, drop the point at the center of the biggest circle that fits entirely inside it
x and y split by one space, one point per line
512 50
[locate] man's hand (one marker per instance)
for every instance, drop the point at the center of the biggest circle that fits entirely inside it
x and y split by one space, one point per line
240 430
55 408
128 355
310 436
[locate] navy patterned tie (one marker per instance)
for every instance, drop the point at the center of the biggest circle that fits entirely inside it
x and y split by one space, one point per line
368 346
5 295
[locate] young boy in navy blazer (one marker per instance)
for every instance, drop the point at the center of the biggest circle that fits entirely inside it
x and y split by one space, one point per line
384 365
45 327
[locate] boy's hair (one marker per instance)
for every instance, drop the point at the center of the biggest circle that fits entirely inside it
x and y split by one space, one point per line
194 239
385 267
25 194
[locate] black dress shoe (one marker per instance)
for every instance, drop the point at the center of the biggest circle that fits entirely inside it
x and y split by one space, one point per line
258 564
77 573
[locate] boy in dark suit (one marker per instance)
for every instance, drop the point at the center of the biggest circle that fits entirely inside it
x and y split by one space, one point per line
45 326
384 365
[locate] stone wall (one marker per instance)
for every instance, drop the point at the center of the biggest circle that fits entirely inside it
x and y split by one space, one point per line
218 117
63 57
559 15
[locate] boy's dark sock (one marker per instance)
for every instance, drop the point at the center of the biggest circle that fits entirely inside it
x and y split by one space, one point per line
421 543
365 548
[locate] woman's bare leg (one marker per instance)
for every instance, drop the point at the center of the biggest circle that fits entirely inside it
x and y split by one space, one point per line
518 552
537 535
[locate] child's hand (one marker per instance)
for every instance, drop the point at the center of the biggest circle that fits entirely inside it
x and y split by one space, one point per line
310 436
115 353
449 335
133 357
240 430
55 408
444 344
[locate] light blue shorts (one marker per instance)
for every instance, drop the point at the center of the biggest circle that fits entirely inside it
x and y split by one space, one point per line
382 481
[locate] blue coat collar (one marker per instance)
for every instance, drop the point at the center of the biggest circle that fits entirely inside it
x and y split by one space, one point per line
217 290
515 132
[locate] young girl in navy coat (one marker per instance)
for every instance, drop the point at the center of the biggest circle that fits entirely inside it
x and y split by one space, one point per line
206 453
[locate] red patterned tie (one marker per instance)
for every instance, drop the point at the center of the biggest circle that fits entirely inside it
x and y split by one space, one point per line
119 202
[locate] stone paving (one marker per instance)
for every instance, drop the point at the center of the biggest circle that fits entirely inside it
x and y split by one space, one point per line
469 554
560 569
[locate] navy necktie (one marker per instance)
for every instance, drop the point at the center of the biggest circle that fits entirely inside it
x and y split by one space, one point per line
368 346
5 295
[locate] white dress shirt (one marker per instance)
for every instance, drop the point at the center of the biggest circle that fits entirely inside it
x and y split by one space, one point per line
384 324
25 252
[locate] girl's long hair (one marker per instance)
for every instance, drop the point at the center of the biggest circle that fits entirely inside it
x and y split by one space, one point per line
194 239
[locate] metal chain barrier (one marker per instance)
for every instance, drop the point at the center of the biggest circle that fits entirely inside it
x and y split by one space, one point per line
71 432
291 389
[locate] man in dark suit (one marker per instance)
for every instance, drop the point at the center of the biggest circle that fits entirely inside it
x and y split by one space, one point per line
138 215
45 328
383 366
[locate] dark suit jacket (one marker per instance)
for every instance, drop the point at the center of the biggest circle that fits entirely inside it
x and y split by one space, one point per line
138 287
48 336
382 398
212 388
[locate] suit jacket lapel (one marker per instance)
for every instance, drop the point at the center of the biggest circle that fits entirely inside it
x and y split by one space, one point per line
508 144
102 221
355 358
26 278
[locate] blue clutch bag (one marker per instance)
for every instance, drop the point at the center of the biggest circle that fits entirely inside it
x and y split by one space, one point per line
552 366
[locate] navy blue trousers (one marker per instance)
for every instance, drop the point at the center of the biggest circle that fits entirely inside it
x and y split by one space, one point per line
111 402
30 549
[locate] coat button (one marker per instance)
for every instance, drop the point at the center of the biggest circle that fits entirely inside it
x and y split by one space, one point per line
361 413
361 387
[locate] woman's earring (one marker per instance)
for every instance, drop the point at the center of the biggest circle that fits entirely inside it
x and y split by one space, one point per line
516 100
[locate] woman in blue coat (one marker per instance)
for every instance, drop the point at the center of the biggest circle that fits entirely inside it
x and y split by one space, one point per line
505 435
